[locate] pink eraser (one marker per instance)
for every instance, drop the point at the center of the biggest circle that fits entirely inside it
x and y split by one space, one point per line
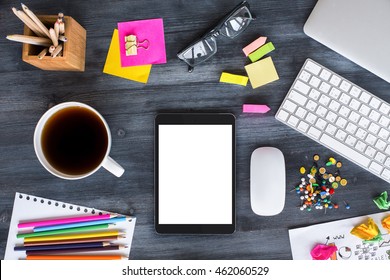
253 108
254 45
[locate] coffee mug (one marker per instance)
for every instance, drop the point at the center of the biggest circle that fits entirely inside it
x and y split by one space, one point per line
72 141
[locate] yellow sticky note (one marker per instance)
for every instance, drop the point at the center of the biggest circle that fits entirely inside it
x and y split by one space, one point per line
113 64
233 79
261 72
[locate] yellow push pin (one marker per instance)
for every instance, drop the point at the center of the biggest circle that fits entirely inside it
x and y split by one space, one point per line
302 170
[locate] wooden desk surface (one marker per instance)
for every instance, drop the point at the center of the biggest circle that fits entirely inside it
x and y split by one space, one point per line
129 108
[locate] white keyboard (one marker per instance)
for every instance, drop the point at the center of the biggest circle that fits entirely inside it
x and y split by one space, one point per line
341 116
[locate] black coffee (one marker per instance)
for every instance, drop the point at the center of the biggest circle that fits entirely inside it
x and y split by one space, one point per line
74 140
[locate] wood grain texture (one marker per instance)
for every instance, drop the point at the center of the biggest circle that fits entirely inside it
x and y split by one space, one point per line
130 108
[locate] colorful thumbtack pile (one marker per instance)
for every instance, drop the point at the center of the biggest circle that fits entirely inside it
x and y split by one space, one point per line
317 188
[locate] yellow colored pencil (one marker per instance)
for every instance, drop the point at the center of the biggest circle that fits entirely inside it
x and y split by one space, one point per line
73 236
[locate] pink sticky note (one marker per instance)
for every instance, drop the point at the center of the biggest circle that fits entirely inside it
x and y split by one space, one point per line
253 108
149 31
254 45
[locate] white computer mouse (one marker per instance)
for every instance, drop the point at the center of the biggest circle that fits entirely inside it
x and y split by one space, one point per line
267 181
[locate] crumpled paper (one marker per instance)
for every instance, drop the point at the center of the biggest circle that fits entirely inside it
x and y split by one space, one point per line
381 201
369 232
386 223
322 252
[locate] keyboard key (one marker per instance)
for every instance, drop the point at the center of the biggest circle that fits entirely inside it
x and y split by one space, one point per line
364 122
383 133
301 112
315 82
331 117
344 150
351 128
344 111
293 121
355 92
384 108
311 118
320 124
312 67
304 76
386 174
371 139
341 122
311 105
387 162
355 104
298 98
331 129
365 97
384 121
374 128
341 135
345 98
364 110
354 117
314 94
351 141
289 106
375 103
302 87
370 151
380 145
379 157
324 87
325 74
303 126
314 132
374 115
361 133
334 93
324 100
360 146
335 80
376 167
321 111
334 105
345 86
387 151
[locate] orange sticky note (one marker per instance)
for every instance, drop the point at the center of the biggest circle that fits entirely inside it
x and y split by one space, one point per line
113 64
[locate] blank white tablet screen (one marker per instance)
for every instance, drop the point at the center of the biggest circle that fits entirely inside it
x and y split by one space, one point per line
195 174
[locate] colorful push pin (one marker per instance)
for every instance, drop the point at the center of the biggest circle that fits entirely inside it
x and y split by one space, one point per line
322 170
302 170
339 164
338 178
343 182
316 157
331 161
346 205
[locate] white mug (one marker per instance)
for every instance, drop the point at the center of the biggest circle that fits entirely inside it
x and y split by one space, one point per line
107 162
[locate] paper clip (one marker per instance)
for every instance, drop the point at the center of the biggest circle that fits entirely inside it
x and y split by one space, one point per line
132 44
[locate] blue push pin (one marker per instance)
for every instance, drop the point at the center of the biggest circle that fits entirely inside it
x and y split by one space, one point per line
346 205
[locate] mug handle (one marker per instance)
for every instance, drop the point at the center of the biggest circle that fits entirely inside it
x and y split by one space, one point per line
112 166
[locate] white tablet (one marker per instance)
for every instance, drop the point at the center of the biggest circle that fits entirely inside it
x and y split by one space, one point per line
195 173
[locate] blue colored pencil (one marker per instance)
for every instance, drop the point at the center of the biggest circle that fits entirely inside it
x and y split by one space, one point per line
62 246
81 224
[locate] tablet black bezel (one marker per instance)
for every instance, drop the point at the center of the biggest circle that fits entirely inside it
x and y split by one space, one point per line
194 118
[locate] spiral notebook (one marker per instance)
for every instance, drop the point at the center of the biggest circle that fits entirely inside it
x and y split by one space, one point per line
28 208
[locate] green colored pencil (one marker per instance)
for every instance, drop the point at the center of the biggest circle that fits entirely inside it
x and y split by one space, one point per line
62 231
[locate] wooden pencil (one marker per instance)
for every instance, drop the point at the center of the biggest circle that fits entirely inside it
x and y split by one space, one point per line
32 40
27 21
76 257
57 50
43 53
74 250
63 246
73 236
34 18
64 231
53 37
72 241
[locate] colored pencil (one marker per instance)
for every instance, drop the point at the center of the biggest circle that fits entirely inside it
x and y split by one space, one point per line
53 37
73 241
33 40
27 21
62 246
77 257
75 250
82 224
35 19
63 231
65 220
73 236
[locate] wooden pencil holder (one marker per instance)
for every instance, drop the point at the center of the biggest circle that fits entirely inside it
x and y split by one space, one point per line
73 53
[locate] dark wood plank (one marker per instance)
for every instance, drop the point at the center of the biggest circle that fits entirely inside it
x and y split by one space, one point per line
130 107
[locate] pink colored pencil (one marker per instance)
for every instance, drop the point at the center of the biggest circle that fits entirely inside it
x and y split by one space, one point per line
65 220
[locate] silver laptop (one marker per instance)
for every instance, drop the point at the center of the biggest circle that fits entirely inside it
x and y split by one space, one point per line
356 29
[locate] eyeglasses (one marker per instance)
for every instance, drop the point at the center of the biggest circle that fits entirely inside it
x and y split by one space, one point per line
230 26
